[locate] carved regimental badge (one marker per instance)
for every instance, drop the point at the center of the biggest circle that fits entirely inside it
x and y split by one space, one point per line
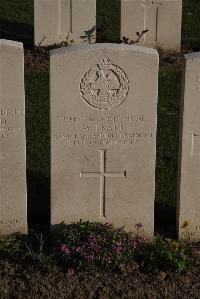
104 86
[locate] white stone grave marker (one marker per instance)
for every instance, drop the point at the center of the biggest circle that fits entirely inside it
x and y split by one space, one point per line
103 145
188 208
13 210
57 21
161 17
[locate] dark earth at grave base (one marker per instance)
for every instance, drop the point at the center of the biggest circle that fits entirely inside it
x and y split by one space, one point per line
18 282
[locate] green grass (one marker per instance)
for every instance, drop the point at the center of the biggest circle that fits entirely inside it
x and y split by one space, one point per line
37 121
191 24
167 135
167 147
108 15
16 22
38 147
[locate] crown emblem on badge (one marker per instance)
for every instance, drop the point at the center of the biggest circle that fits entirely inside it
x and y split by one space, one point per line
105 64
104 86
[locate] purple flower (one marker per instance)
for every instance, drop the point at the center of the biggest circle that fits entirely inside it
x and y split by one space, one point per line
79 249
89 258
133 244
65 249
138 225
117 247
145 238
95 238
108 225
94 241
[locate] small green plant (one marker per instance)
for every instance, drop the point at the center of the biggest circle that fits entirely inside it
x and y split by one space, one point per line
129 41
165 254
86 245
36 254
69 41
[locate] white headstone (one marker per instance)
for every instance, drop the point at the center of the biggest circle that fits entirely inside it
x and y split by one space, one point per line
189 168
103 146
13 211
57 21
161 17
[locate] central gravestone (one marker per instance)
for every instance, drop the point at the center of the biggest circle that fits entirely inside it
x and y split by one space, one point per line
103 122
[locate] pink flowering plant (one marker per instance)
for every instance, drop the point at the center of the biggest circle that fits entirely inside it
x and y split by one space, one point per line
86 245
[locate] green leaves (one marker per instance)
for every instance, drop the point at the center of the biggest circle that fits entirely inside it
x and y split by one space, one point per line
166 254
97 245
86 245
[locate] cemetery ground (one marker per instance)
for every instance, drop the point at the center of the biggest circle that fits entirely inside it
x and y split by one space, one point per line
25 274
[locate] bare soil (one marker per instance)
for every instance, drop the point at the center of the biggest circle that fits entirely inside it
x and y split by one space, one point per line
19 282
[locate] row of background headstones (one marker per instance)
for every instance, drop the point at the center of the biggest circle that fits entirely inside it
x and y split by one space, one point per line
49 22
57 21
17 22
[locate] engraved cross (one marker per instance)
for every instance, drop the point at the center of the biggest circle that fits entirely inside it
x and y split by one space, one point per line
65 17
102 174
151 8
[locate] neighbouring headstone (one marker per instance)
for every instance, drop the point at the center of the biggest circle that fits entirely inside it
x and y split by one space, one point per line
188 209
103 145
13 211
161 17
57 21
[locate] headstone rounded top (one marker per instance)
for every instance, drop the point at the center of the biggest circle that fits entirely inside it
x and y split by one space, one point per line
11 43
101 46
191 56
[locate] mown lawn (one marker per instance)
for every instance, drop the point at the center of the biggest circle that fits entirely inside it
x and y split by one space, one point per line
16 23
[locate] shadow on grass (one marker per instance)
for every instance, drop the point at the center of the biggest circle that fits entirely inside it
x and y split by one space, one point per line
165 219
38 201
38 149
167 152
18 32
108 21
191 25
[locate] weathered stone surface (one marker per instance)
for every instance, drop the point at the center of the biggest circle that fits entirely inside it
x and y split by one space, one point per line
57 21
103 146
162 18
189 154
13 212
